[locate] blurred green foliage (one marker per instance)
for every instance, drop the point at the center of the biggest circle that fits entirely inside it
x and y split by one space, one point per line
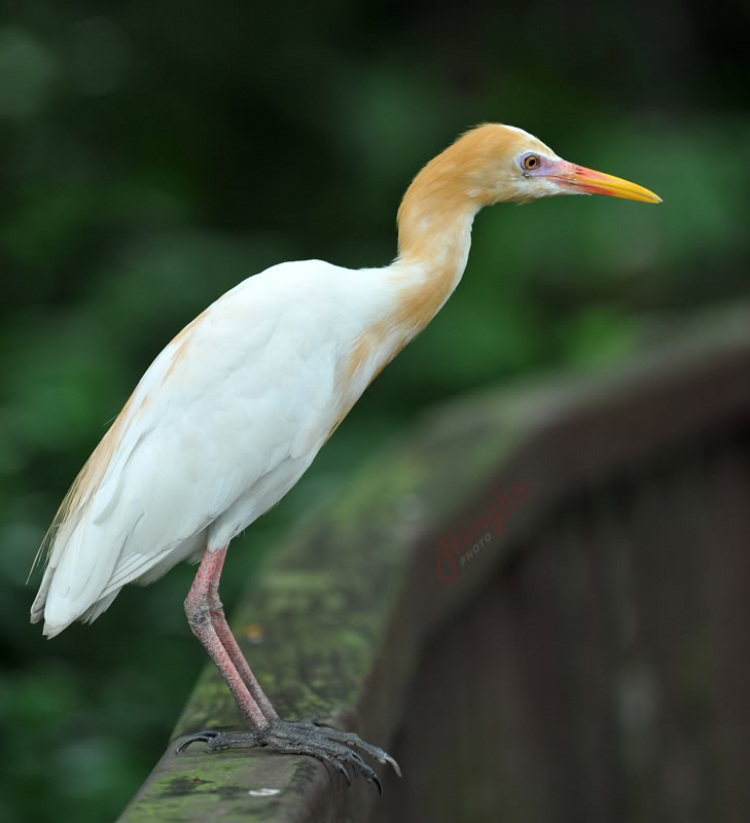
155 153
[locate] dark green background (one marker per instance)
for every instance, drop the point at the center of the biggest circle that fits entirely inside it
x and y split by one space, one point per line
153 156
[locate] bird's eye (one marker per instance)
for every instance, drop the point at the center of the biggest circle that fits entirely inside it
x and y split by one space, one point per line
530 162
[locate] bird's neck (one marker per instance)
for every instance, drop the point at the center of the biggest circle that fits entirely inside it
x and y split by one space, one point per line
434 237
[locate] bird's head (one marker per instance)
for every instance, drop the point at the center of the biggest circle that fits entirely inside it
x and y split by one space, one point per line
506 164
494 163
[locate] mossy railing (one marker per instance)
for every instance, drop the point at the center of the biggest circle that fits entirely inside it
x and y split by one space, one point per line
537 601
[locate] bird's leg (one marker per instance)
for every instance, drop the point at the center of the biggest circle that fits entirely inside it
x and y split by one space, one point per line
205 615
198 611
227 639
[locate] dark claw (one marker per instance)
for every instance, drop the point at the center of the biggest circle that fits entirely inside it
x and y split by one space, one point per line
376 780
341 768
203 737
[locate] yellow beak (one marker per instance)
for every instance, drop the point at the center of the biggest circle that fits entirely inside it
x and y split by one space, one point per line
589 181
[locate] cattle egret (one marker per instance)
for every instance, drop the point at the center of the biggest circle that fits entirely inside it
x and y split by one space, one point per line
232 412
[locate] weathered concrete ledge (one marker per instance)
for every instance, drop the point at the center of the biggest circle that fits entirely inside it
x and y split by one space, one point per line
348 604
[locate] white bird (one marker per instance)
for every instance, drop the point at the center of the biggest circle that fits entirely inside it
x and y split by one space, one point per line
233 411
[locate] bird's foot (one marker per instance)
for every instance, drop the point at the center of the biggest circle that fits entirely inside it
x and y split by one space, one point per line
350 739
307 736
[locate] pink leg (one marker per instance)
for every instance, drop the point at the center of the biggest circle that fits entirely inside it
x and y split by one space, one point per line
198 611
227 639
205 615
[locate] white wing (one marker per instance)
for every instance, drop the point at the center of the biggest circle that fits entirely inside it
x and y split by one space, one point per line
222 424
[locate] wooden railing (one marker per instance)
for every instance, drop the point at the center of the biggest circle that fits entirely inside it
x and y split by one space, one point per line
537 601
